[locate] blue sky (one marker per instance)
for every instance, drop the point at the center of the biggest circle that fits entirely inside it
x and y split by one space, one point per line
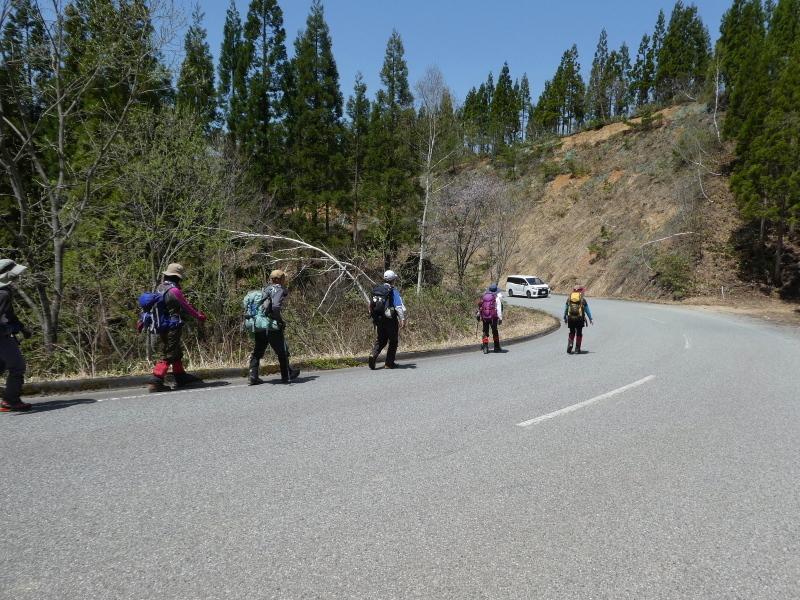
467 39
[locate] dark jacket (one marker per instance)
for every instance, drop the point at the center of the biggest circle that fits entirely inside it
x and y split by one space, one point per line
9 323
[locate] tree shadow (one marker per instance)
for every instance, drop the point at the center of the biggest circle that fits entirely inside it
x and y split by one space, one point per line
756 262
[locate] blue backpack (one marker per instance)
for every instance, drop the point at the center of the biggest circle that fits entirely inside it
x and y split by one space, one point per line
155 318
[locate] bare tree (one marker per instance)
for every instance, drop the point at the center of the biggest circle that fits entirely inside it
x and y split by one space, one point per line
461 211
435 143
57 130
502 230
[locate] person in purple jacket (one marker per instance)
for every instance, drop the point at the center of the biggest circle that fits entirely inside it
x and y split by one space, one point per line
177 307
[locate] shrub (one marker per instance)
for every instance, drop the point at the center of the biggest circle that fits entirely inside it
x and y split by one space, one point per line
673 273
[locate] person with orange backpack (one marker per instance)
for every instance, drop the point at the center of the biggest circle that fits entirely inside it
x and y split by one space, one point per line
490 311
576 310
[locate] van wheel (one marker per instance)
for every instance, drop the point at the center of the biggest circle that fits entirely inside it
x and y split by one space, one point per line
510 292
528 293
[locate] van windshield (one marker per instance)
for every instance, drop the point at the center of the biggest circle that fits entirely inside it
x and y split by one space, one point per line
534 281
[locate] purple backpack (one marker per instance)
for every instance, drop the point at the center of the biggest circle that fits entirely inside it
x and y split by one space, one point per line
488 306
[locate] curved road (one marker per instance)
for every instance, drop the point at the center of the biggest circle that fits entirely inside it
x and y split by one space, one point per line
664 462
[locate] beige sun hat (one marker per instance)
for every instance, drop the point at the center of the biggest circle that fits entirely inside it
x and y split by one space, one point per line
175 270
276 274
9 270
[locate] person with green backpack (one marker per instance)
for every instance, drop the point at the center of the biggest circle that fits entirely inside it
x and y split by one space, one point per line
576 311
267 325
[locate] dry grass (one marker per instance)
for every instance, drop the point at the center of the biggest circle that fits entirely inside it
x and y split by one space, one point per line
341 330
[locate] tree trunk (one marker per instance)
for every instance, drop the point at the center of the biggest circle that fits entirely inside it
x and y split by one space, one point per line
776 275
422 232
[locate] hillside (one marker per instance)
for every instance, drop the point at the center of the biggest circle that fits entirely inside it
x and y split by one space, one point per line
643 212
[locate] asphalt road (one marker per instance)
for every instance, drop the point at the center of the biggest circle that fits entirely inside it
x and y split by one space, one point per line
662 463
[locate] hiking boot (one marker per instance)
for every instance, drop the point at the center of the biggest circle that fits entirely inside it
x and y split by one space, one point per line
293 374
14 405
569 348
159 387
485 347
254 380
391 365
497 348
184 379
577 349
372 358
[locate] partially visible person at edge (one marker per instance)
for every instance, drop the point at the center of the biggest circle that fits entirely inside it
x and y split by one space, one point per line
491 313
11 358
271 337
177 308
576 324
386 328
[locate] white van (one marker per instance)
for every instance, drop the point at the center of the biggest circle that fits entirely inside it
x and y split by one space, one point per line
526 285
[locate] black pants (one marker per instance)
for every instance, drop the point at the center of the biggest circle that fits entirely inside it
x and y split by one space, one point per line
387 332
275 340
575 328
11 359
493 325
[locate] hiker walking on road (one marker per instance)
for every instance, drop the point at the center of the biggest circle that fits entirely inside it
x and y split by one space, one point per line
177 308
275 294
576 310
490 311
386 308
11 358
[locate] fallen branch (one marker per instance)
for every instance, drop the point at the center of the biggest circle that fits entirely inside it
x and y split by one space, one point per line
669 236
345 267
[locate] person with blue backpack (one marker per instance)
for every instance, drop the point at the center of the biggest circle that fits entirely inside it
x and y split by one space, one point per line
490 311
386 308
272 335
176 307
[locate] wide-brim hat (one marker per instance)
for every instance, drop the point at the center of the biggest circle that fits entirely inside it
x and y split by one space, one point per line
493 288
174 270
277 274
10 269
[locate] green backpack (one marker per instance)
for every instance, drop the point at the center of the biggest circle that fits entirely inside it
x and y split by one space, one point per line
258 310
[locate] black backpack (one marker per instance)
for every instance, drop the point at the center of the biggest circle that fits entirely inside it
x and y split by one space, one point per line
381 307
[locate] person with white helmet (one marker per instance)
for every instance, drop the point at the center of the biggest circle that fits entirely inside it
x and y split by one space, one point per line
11 358
386 309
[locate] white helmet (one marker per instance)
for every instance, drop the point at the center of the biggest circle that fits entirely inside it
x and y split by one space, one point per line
389 275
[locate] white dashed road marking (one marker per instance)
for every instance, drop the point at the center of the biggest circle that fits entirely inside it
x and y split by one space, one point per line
568 409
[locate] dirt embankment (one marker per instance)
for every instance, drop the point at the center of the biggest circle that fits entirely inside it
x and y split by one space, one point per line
625 199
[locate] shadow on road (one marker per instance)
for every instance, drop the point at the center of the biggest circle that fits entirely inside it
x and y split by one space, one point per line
205 384
305 379
37 407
